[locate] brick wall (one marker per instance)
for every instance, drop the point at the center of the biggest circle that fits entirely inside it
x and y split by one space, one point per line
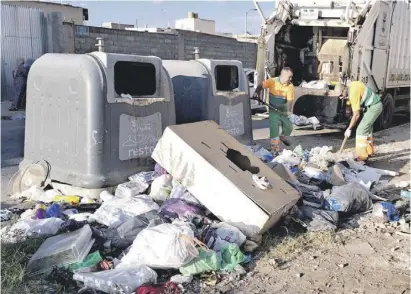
175 45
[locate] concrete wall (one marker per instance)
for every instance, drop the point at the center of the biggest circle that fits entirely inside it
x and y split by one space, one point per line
177 44
70 13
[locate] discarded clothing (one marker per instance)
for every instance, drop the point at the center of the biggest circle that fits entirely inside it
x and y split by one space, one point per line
168 287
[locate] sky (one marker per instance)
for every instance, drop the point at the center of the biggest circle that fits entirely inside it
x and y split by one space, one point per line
229 16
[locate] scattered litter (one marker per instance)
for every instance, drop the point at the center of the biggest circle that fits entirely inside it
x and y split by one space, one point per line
118 280
342 265
32 228
69 199
261 182
126 96
130 189
5 215
145 177
299 275
161 188
181 279
385 212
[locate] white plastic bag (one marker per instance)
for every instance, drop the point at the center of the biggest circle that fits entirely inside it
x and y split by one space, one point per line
130 189
106 196
161 188
32 228
222 235
125 280
288 158
118 210
164 246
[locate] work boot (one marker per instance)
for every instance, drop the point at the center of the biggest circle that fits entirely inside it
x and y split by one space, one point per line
286 141
275 147
361 144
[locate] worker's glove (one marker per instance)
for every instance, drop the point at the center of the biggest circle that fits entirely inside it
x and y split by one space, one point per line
347 133
256 96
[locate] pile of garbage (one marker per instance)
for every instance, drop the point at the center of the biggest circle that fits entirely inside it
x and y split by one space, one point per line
119 243
334 187
153 234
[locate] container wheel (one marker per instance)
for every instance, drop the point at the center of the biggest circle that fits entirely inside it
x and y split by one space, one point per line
387 115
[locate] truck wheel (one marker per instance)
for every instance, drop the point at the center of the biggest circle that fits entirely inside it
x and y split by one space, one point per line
388 108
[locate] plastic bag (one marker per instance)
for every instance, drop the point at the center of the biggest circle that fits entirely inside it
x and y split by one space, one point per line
124 280
314 173
106 196
288 158
32 228
91 260
145 177
130 189
206 261
179 192
231 255
179 207
161 188
220 235
119 210
350 198
163 246
385 212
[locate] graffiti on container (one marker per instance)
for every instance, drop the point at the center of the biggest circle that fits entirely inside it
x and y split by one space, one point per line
232 119
138 135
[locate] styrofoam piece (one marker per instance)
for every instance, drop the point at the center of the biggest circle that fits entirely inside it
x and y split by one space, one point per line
198 156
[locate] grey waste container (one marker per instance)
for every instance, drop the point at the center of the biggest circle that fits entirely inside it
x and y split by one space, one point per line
215 90
96 117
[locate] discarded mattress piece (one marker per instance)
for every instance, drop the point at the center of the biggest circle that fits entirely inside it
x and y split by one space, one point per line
217 170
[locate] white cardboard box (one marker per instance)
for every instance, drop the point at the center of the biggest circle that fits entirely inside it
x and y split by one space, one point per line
196 155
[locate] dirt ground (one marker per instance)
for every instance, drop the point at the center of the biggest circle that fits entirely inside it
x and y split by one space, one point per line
371 258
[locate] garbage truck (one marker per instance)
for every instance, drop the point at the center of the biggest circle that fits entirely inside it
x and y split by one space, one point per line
327 43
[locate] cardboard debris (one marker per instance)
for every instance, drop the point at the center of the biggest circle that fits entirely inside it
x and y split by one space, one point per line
198 156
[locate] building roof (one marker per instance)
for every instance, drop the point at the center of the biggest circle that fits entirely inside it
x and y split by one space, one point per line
45 2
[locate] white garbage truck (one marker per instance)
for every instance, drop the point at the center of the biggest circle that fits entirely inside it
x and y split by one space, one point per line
327 43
